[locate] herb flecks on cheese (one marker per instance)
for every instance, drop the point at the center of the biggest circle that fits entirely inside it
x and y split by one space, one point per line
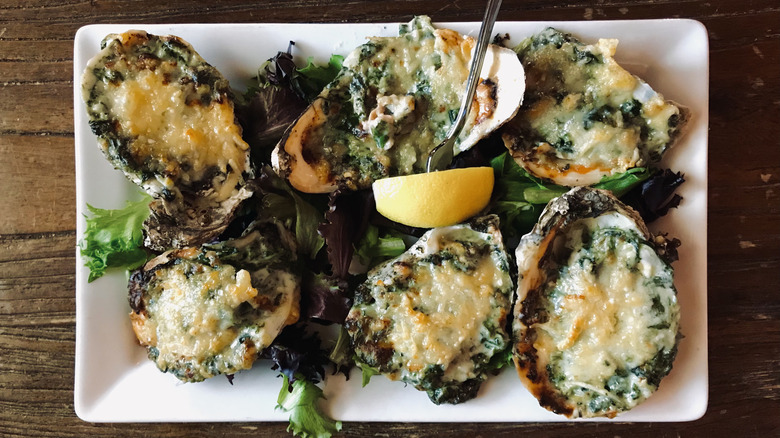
394 100
596 319
206 311
163 116
584 116
435 316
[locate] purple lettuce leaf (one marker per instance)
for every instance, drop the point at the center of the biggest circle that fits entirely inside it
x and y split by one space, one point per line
345 222
297 354
655 196
325 299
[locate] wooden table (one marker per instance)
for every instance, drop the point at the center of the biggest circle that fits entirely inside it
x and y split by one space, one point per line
37 198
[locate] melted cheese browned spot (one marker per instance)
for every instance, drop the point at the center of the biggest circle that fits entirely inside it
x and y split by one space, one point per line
187 138
162 114
443 317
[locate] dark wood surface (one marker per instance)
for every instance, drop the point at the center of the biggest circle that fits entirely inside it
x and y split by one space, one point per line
37 207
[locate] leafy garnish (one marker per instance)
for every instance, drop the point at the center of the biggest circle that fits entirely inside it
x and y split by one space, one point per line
306 82
300 359
277 96
297 354
519 197
283 68
325 298
367 372
374 248
306 418
345 222
114 238
341 355
265 115
310 80
655 196
666 247
622 183
282 203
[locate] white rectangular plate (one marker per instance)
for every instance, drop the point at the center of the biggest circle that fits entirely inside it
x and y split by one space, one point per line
115 382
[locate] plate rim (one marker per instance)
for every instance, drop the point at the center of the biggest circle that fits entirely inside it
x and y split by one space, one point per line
81 382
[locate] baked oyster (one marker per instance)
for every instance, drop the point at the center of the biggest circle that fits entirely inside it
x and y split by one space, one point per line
435 316
164 117
395 100
206 311
596 319
584 116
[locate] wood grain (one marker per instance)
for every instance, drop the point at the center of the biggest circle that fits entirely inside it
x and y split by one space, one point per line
37 197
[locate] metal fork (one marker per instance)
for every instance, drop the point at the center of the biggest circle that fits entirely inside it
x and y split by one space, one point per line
441 156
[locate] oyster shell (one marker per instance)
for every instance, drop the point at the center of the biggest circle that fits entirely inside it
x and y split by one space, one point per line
584 116
206 311
435 316
163 116
394 101
596 320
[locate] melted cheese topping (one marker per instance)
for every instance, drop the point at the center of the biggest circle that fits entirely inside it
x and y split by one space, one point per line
425 66
194 320
189 139
393 102
164 117
612 309
585 116
443 317
440 307
390 110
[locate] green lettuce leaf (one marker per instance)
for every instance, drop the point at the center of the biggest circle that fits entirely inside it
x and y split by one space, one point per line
307 220
373 248
281 202
622 183
114 238
341 355
309 81
519 197
306 418
367 372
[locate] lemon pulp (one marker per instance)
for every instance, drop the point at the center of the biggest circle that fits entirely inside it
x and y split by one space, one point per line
434 199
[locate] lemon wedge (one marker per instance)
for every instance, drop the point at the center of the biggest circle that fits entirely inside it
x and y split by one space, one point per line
435 199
